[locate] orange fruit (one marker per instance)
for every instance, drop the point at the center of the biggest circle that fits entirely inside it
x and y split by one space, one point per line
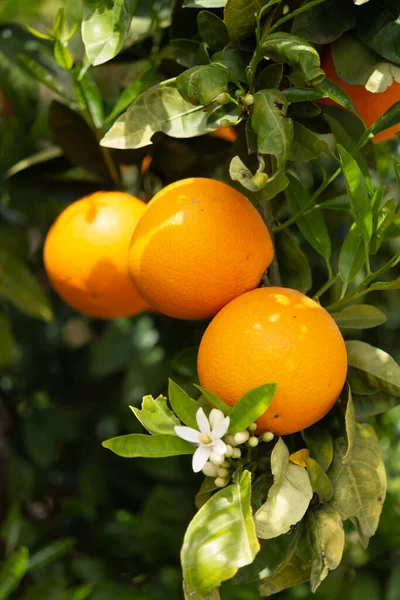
86 255
225 133
369 105
200 244
276 335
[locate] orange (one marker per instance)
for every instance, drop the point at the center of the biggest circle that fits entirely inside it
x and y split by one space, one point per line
86 255
200 244
275 335
225 133
369 105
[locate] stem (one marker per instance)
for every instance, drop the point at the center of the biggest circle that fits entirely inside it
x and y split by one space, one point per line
326 286
367 263
294 14
108 159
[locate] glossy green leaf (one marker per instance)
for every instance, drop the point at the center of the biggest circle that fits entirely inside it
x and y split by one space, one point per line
105 26
50 553
348 139
132 92
12 571
358 194
288 498
393 585
274 131
320 482
359 484
295 565
92 98
374 366
251 406
385 285
240 17
213 400
221 538
161 108
6 342
325 22
200 85
301 94
148 446
333 91
20 287
311 225
352 255
213 595
305 145
212 30
384 215
296 52
360 316
43 75
327 536
63 56
183 406
336 203
155 415
320 444
389 119
294 267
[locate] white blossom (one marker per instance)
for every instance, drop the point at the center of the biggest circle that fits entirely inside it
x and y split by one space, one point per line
207 438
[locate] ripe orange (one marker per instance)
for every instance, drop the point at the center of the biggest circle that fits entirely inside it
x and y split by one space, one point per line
225 133
86 255
275 335
200 244
369 105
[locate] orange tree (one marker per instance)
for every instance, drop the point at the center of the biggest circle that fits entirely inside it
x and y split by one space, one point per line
133 92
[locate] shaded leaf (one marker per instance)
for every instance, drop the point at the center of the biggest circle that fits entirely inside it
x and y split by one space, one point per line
320 482
373 404
333 91
270 77
378 28
220 539
235 60
251 406
273 129
212 30
327 536
50 553
155 415
357 70
148 446
6 342
105 26
240 17
204 3
325 22
360 484
205 492
360 316
374 366
344 408
200 85
305 145
213 595
288 498
352 255
42 74
320 444
183 406
294 267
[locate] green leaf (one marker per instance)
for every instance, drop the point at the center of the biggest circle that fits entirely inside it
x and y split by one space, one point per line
184 52
239 172
288 498
296 52
274 130
132 92
344 408
359 484
295 565
20 287
50 553
373 404
235 60
336 203
200 85
327 536
6 342
385 215
251 406
214 400
155 415
311 225
92 99
63 56
301 94
205 492
294 267
360 316
334 92
389 118
393 585
105 26
79 593
357 70
270 78
204 3
183 406
162 108
374 366
240 17
148 446
378 27
12 571
220 539
320 482
212 30
358 193
305 145
36 70
352 255
320 444
213 595
77 140
385 285
348 139
325 22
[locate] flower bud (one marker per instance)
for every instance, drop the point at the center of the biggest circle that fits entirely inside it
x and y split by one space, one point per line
230 440
253 442
221 482
229 451
223 472
241 437
217 459
268 436
215 417
252 427
223 98
210 470
248 100
236 453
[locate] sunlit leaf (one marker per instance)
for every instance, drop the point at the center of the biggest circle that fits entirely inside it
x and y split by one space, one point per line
374 366
360 316
183 406
274 131
12 571
251 406
155 415
352 255
327 535
148 446
200 85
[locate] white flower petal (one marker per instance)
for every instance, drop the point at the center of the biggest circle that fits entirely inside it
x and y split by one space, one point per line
188 434
215 417
202 422
200 457
219 447
221 428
